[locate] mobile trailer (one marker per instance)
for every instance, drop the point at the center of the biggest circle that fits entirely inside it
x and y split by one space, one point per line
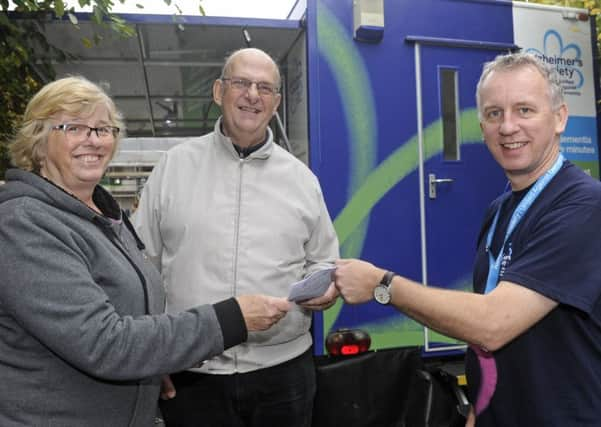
395 141
395 138
383 110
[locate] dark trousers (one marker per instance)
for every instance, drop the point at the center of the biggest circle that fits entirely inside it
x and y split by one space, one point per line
280 396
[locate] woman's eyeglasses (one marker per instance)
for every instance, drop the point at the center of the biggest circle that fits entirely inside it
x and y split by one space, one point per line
79 132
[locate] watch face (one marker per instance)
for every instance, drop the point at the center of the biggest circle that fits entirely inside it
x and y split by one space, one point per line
381 294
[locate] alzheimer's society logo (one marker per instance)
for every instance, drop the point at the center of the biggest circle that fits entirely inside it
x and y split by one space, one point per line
566 59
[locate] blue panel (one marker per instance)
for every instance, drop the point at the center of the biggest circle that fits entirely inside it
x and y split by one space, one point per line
150 18
363 125
579 141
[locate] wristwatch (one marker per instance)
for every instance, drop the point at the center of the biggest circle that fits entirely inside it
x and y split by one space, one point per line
382 291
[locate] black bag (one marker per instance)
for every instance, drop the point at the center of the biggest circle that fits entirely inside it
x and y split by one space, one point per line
436 400
371 389
386 388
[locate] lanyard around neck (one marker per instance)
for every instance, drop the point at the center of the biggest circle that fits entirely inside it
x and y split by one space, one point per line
494 265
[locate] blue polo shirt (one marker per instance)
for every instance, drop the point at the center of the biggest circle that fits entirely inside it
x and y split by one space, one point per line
551 374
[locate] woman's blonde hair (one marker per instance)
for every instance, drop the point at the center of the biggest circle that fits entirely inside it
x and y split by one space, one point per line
76 96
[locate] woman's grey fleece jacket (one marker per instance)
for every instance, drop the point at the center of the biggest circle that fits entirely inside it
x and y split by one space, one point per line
79 345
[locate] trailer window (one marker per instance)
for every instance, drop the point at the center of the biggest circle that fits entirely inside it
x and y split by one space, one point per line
449 106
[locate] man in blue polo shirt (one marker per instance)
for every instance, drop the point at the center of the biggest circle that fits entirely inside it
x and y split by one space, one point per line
533 324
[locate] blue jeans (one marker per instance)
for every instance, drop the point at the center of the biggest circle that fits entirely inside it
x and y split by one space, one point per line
281 396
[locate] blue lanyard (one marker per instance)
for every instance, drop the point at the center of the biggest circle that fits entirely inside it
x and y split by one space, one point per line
494 265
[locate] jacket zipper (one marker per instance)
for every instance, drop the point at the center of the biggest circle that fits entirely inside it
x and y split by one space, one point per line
237 237
115 240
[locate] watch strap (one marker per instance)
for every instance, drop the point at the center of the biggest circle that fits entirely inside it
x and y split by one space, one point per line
387 278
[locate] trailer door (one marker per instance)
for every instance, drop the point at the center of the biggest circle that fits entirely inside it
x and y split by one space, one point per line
458 176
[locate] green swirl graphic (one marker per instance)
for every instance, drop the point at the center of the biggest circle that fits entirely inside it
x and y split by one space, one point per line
354 89
368 182
401 162
397 166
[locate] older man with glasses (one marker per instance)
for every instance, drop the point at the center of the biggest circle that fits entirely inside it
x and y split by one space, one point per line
229 213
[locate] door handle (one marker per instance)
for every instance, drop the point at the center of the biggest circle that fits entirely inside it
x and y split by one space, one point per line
432 181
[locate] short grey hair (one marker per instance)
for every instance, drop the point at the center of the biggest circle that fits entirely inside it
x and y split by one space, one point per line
517 60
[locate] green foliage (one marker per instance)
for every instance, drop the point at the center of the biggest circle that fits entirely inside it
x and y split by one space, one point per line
21 73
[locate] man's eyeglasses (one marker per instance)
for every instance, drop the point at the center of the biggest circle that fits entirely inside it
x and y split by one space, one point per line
264 88
79 132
